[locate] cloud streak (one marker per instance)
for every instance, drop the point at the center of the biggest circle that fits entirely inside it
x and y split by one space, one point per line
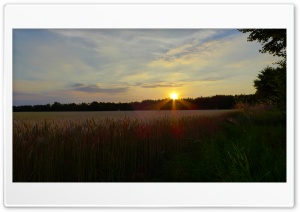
97 89
161 85
133 64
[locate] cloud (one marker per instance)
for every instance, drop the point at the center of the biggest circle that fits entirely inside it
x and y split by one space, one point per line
77 85
224 58
178 84
192 53
97 89
21 94
160 85
203 79
88 64
31 98
37 86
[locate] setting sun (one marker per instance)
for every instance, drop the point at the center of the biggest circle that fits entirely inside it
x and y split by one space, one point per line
174 96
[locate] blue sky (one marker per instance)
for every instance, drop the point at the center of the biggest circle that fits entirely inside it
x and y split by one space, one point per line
124 65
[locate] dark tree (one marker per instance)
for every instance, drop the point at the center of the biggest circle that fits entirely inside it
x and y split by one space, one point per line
202 103
56 106
83 107
271 85
265 83
95 106
271 82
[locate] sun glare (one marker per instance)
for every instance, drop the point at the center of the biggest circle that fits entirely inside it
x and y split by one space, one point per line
174 96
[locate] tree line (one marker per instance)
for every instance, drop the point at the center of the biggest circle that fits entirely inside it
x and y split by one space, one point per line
200 103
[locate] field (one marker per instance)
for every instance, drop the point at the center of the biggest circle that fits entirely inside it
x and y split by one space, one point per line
152 146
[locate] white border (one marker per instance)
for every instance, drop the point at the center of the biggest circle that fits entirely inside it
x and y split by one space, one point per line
147 16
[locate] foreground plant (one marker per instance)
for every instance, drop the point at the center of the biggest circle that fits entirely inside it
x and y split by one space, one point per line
102 150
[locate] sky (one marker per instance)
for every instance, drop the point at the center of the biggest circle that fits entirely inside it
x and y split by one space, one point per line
127 65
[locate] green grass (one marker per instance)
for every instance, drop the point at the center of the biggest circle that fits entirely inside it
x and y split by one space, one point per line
184 149
251 151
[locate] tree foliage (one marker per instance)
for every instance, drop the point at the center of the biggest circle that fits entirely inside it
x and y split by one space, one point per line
271 82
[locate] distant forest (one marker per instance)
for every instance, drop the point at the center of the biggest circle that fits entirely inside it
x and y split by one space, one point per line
200 103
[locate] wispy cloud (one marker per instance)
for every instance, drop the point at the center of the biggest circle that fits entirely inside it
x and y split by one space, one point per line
97 89
161 85
133 64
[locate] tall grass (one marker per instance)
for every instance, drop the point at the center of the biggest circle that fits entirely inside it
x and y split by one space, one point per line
248 149
232 147
102 150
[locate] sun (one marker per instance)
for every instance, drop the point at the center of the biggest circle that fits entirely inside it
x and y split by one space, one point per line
174 96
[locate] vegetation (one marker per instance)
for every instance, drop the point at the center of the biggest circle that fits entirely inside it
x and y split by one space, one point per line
232 147
271 82
251 147
200 103
100 149
247 145
271 85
